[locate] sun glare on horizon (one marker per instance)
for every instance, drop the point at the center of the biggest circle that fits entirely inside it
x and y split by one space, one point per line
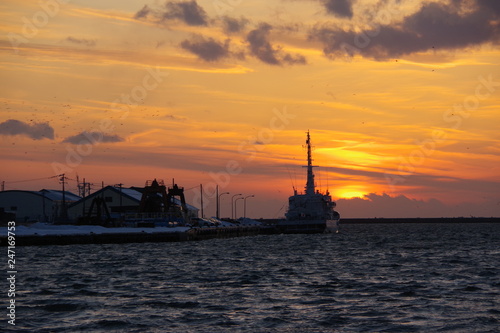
349 193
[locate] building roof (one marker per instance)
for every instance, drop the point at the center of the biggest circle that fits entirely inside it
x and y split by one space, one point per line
133 194
58 195
130 192
125 192
53 195
7 192
136 194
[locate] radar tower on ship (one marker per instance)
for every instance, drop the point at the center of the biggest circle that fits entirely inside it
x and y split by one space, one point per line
310 187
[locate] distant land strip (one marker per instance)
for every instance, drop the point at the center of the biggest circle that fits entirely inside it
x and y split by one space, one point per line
409 220
422 220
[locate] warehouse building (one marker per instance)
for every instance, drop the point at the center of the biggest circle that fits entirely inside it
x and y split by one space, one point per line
35 206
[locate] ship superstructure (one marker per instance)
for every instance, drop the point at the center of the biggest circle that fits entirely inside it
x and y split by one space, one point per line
312 211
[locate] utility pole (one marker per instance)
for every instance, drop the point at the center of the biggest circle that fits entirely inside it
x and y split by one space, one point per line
64 213
201 196
83 188
83 196
78 185
43 207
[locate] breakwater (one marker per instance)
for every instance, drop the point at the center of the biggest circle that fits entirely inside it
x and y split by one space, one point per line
197 234
194 234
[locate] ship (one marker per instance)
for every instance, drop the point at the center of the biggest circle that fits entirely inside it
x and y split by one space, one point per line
312 211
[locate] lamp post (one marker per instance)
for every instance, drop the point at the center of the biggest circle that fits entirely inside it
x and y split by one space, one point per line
235 214
232 205
245 204
217 215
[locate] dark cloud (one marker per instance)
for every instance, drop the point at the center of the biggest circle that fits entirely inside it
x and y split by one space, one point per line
143 13
341 8
293 59
174 117
210 49
493 5
231 25
375 205
207 49
36 131
85 137
434 26
188 11
81 41
261 48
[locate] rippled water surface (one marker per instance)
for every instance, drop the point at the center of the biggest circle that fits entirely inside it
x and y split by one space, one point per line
372 278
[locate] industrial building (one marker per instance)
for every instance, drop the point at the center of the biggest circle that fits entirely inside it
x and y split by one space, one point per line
35 206
111 203
128 203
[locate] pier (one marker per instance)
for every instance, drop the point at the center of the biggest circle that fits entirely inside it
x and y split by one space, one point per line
193 234
150 235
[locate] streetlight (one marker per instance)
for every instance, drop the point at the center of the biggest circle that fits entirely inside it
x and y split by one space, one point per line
245 204
232 205
235 206
217 215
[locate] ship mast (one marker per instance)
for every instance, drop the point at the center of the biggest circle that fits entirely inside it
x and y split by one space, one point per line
310 175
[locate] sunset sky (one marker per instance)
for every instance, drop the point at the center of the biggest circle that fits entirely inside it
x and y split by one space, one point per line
401 98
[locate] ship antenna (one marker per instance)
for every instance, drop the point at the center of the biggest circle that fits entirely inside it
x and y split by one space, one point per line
310 175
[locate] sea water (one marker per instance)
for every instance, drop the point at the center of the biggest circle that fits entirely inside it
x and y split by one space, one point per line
372 278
